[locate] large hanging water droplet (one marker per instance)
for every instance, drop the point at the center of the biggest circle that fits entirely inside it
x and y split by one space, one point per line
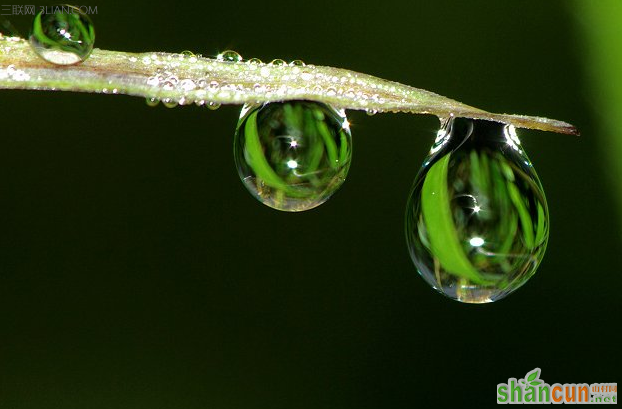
62 35
477 220
292 156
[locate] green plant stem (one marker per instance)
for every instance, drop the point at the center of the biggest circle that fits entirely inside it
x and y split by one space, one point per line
186 79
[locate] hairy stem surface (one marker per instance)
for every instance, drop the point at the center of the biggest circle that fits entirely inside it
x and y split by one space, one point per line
186 79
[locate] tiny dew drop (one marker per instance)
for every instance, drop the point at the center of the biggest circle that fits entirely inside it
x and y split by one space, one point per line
230 56
292 156
169 103
62 35
297 63
278 61
213 105
255 61
371 112
477 221
152 102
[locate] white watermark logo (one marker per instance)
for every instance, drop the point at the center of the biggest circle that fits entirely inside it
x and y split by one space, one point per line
532 389
31 9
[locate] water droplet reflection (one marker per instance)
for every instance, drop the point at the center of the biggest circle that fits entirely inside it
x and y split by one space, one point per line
62 35
292 156
230 56
477 219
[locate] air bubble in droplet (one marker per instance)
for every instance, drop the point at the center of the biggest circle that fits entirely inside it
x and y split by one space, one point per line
292 156
62 35
230 56
477 221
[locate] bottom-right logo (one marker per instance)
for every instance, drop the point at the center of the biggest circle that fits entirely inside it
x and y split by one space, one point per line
532 389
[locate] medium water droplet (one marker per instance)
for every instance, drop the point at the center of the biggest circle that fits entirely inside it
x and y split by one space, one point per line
62 35
297 63
213 105
477 220
371 112
230 56
292 156
152 102
278 61
254 61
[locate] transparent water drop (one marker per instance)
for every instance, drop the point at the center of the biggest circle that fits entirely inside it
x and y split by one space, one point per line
169 103
62 35
477 221
292 156
230 56
297 63
254 61
213 105
371 112
152 102
278 61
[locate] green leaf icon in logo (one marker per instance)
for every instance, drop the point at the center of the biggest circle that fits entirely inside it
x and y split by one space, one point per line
533 375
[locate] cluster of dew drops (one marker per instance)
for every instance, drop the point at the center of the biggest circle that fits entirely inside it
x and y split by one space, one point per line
225 56
476 217
168 80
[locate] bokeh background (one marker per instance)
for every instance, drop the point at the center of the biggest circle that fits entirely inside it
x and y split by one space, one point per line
137 272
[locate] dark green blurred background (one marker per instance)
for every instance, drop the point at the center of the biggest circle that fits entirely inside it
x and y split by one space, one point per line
137 272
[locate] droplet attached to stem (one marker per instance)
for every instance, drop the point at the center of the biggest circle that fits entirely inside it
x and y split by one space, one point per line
292 156
477 221
62 35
